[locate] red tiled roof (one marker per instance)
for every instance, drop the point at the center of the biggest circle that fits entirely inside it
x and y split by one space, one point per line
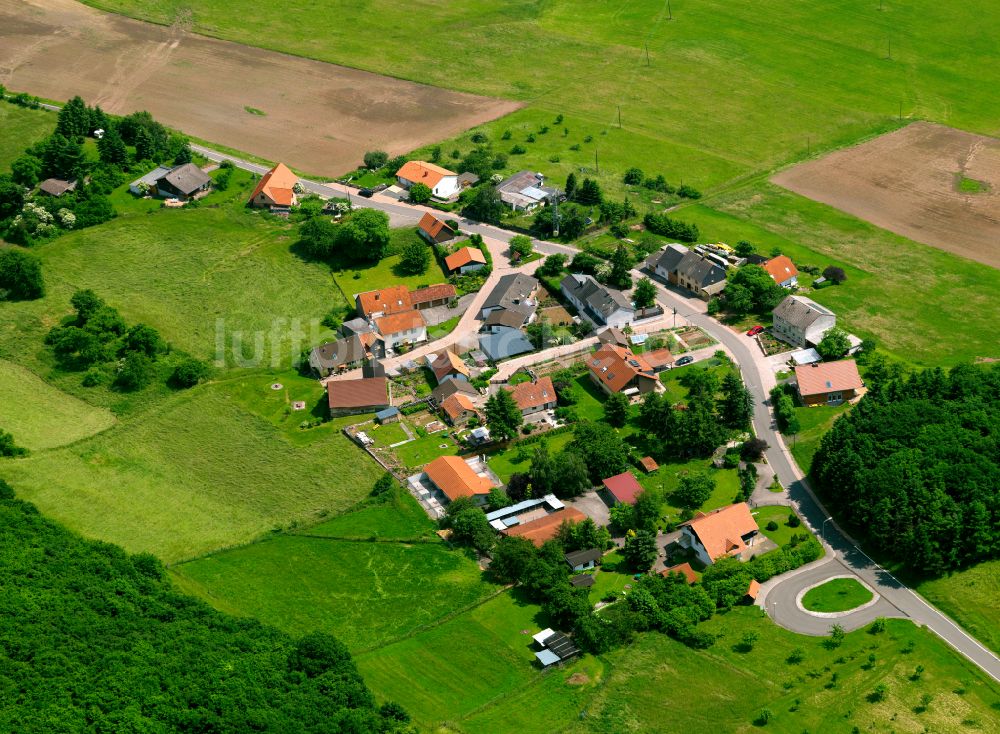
780 268
533 395
370 392
464 256
433 226
616 366
649 464
432 293
545 528
423 172
387 300
278 185
658 357
447 363
455 405
753 589
682 568
397 322
624 487
820 378
455 478
721 531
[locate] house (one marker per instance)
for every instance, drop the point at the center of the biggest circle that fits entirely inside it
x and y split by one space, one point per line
432 295
583 560
600 305
728 531
504 319
619 369
504 342
275 190
458 409
185 182
688 269
828 383
513 292
659 359
663 264
611 335
347 397
388 415
782 271
556 647
447 365
434 230
147 184
621 489
546 528
455 478
451 387
442 182
406 327
648 464
801 322
373 304
56 187
533 397
465 260
345 354
684 569
525 191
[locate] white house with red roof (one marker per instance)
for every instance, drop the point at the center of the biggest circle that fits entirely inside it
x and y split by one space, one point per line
728 531
276 189
442 182
533 397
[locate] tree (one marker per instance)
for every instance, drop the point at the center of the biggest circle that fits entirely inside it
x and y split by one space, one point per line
698 430
20 275
694 490
647 509
633 177
834 274
73 120
86 303
111 148
518 487
480 161
565 605
589 193
512 556
739 300
470 527
745 248
542 471
365 236
621 265
144 339
375 159
753 449
736 408
318 238
616 409
571 186
134 371
11 196
420 193
73 347
584 262
640 550
601 448
26 170
761 290
834 344
414 257
497 499
503 416
145 147
317 653
571 476
188 373
664 225
183 154
553 265
485 205
522 245
8 448
644 295
62 158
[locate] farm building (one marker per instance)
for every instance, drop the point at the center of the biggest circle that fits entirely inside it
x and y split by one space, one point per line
348 397
388 415
523 512
442 182
556 647
828 383
450 387
345 354
459 409
545 528
453 476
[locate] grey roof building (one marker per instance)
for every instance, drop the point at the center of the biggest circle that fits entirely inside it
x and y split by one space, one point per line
504 342
688 269
344 353
148 180
600 305
450 387
802 322
56 186
183 181
525 190
515 291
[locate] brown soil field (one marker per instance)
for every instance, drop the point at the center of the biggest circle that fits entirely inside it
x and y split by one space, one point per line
317 117
907 182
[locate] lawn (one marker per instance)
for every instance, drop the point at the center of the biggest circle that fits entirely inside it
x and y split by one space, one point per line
667 478
779 514
388 434
366 593
401 518
41 416
970 598
814 423
21 128
836 595
518 458
353 279
671 379
197 473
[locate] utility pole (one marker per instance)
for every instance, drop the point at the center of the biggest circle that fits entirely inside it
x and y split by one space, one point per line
675 317
890 49
670 13
619 117
597 166
555 215
647 53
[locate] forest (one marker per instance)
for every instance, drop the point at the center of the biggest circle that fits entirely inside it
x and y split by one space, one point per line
94 639
916 465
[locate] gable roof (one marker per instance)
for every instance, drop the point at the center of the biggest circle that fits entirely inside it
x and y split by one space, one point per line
681 568
529 395
451 387
545 528
434 226
464 256
616 366
511 290
456 404
667 258
580 557
512 318
423 172
432 293
820 378
700 270
56 186
599 301
278 185
721 531
780 268
753 589
624 487
388 300
649 464
370 392
455 478
343 351
800 312
446 363
397 322
611 335
186 178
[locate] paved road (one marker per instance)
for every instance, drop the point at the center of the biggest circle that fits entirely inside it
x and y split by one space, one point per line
843 555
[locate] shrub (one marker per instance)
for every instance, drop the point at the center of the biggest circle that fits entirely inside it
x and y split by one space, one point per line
518 149
20 275
188 373
794 521
633 176
772 526
375 159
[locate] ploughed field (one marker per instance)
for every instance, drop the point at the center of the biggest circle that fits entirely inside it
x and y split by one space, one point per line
311 115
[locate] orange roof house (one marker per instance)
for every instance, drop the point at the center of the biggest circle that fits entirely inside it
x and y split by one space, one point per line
465 259
458 408
782 271
545 528
383 302
276 189
828 383
728 531
619 369
397 323
447 364
433 229
533 397
442 182
455 479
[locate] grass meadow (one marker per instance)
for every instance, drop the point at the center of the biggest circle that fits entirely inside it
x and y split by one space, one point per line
21 128
402 518
970 598
814 422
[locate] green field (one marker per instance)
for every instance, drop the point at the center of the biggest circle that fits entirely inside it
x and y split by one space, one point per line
836 595
970 598
386 272
42 417
21 128
198 474
400 519
814 423
779 514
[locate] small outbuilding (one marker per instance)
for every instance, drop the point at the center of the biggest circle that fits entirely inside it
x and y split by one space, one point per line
621 489
56 187
583 560
388 415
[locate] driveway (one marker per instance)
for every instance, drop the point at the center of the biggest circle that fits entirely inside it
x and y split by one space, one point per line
591 505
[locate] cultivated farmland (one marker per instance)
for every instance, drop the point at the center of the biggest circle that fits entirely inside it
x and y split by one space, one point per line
911 182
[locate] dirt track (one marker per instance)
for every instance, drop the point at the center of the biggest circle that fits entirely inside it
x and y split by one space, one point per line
907 182
317 117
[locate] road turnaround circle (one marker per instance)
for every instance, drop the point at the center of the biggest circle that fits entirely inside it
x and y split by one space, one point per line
834 615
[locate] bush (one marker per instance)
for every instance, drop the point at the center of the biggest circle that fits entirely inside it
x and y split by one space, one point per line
518 150
420 193
20 275
134 371
772 526
633 176
794 521
663 225
375 159
188 373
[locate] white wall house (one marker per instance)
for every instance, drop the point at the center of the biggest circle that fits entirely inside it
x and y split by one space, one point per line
442 182
801 321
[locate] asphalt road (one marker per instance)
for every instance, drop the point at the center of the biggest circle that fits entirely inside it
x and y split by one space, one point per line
843 555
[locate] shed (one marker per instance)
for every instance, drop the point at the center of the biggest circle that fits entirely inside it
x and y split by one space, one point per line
582 581
546 658
542 636
56 187
805 356
583 560
649 465
623 488
388 415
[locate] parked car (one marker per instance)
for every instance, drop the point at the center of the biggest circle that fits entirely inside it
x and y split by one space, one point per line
367 193
683 361
755 330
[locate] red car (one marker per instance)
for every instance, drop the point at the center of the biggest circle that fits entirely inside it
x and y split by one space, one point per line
755 330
